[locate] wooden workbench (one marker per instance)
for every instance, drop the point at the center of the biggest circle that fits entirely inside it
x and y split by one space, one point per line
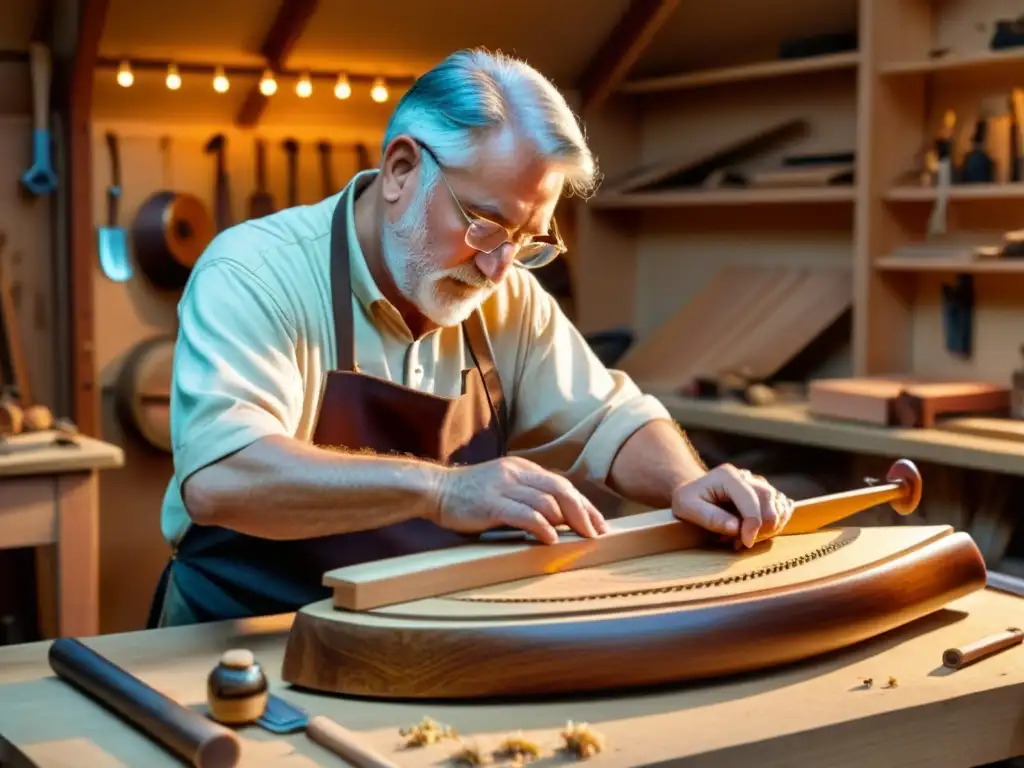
49 499
815 713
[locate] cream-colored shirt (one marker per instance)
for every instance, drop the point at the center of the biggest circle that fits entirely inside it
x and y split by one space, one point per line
256 335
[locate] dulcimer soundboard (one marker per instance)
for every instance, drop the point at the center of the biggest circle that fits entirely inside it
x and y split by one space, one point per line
654 601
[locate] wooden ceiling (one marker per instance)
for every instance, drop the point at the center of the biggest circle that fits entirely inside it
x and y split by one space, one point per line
402 38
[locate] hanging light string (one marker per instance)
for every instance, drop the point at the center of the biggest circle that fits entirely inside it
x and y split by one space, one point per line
343 84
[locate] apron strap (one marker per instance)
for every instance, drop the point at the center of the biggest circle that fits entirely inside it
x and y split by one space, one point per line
480 347
341 286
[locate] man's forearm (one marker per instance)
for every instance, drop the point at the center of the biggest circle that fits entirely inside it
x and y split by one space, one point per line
279 488
653 462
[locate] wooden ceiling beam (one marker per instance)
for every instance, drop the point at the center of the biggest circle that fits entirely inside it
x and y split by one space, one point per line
623 47
292 18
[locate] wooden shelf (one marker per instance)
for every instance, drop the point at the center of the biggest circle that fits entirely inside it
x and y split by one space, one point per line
1002 61
793 424
740 196
912 264
957 192
744 73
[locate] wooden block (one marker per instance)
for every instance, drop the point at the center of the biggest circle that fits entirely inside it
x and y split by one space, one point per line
893 401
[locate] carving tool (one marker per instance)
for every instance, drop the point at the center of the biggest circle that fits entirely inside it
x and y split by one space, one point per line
945 150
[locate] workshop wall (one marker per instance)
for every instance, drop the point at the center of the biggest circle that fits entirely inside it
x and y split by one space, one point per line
132 312
25 223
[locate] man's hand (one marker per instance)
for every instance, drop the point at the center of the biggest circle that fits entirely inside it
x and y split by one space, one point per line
515 492
763 511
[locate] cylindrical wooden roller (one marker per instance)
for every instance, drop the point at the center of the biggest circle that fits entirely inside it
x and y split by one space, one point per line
200 741
901 490
955 658
343 743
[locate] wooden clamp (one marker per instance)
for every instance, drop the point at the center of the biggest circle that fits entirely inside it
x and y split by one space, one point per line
429 574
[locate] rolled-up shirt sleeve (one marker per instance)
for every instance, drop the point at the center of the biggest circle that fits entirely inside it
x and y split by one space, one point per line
570 413
236 378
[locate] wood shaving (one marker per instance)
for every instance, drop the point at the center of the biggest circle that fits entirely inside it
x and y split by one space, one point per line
427 731
582 740
470 754
518 749
892 683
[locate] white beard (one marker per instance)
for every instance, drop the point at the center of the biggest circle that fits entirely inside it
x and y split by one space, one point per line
409 254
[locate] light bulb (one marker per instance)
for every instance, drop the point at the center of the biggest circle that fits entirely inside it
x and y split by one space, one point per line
124 75
304 88
268 85
379 91
173 77
220 81
342 89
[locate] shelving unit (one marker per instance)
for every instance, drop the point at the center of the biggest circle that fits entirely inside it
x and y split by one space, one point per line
738 196
643 255
767 70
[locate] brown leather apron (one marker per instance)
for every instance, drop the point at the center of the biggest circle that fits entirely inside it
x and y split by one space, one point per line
216 573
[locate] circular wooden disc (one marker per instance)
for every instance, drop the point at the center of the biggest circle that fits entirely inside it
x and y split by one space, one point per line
143 391
563 634
188 228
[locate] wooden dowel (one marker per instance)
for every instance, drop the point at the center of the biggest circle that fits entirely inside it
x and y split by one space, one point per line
203 743
344 743
955 658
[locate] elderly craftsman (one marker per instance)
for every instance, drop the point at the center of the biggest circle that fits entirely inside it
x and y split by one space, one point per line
380 373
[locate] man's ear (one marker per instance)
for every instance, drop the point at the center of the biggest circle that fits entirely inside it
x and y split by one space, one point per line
398 167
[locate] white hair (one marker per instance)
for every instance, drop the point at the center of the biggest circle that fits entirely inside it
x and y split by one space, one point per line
472 92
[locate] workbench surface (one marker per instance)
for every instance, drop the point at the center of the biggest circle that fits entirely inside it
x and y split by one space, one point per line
816 713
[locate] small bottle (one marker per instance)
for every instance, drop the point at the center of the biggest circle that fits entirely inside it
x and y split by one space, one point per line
237 689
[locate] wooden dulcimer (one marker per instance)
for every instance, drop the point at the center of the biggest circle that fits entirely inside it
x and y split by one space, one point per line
655 600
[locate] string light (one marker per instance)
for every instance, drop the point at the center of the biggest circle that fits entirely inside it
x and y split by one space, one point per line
173 77
124 75
220 81
342 89
379 91
268 85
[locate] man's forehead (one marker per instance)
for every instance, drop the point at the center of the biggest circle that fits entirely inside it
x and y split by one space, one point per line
513 186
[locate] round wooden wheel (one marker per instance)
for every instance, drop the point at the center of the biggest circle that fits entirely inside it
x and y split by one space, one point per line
143 392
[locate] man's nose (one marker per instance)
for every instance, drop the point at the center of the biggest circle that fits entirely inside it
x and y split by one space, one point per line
496 263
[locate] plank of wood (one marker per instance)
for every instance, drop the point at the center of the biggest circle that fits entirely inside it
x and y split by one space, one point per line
428 574
693 168
1001 429
751 318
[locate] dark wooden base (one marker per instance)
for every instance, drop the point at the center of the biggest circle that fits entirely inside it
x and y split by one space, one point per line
400 655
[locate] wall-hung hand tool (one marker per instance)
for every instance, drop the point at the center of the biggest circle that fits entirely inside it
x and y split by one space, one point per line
324 148
113 244
261 202
291 146
40 179
217 146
